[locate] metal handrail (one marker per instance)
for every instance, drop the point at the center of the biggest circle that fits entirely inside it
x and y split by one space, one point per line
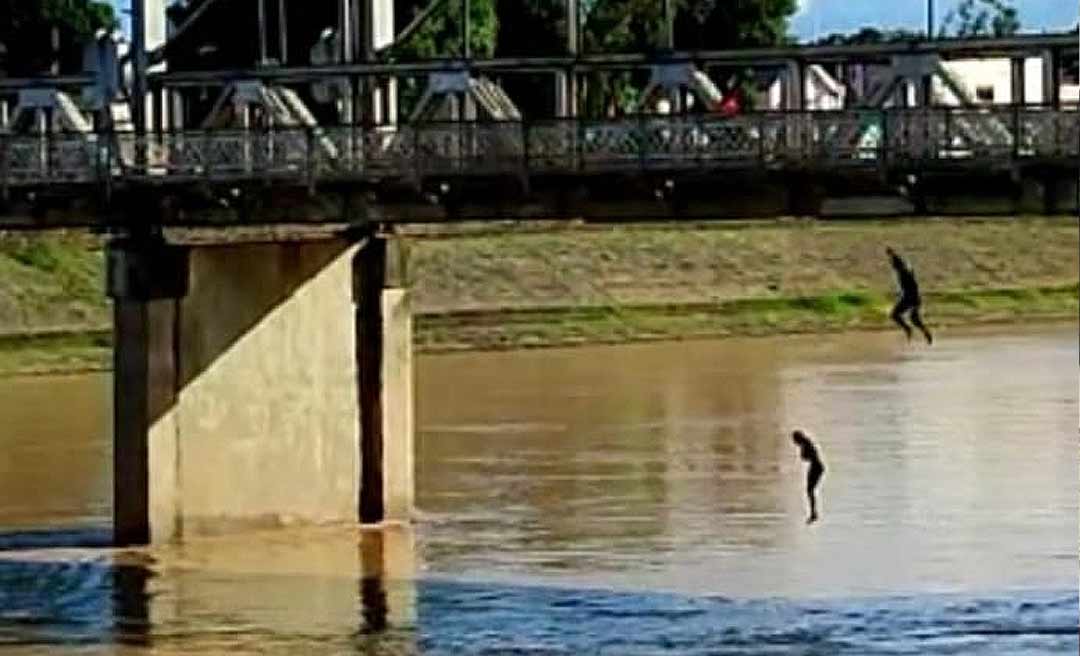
642 141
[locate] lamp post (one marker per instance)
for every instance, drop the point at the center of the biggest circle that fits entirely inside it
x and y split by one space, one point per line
929 20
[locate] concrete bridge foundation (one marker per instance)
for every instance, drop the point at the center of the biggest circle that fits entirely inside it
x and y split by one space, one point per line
259 384
1049 195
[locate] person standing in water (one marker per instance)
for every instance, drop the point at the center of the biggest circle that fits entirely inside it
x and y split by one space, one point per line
809 453
910 300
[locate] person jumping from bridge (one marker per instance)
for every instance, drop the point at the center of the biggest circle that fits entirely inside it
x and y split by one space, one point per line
910 300
809 453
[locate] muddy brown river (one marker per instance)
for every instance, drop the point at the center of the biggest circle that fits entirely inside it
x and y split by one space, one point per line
636 499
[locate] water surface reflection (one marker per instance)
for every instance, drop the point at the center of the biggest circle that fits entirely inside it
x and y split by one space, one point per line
627 500
669 466
337 587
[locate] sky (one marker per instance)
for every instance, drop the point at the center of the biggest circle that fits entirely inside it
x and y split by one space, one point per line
821 17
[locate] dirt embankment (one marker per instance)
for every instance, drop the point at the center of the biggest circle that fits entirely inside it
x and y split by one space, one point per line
578 284
661 282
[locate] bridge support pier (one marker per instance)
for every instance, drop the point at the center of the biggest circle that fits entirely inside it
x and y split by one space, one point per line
146 279
259 384
804 197
1046 194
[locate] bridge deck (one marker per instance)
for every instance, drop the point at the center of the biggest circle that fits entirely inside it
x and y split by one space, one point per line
101 165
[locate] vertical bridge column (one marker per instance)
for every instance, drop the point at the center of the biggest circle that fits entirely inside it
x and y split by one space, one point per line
1051 64
566 81
259 384
146 279
1018 81
384 365
794 87
377 32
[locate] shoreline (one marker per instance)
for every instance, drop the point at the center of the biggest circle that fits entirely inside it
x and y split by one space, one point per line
530 328
70 351
494 286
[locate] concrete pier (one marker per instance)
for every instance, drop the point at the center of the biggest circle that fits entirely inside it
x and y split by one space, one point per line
258 384
146 281
384 363
1050 195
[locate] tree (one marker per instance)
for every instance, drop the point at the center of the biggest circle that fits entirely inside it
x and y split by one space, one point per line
612 26
505 28
722 24
533 28
216 42
441 35
26 30
870 35
980 18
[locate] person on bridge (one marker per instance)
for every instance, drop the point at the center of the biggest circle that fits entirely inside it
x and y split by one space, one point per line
809 453
910 300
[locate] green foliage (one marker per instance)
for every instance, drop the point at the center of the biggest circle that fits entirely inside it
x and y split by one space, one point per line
25 27
82 17
441 34
976 18
638 26
722 24
871 35
536 27
35 253
515 28
621 25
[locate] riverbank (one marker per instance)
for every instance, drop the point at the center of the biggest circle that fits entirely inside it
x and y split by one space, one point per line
484 287
839 312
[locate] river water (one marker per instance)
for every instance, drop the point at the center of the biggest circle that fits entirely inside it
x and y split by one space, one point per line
639 499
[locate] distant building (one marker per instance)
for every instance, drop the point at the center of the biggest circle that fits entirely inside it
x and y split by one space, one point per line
989 82
980 81
822 91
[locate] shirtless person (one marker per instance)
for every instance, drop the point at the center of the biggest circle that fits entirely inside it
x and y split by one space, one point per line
909 297
809 453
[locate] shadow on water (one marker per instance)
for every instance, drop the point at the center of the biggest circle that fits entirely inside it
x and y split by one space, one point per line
73 603
56 594
54 603
57 538
131 604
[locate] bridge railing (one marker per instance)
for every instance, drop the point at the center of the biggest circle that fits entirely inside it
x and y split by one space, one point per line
993 134
52 158
763 140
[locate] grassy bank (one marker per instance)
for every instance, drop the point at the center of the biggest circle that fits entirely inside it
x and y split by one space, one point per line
613 284
484 288
59 352
53 314
567 326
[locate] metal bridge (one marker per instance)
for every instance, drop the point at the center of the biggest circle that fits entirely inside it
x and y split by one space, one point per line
313 138
917 139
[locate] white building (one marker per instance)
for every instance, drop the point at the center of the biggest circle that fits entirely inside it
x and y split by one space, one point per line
821 92
989 82
981 81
